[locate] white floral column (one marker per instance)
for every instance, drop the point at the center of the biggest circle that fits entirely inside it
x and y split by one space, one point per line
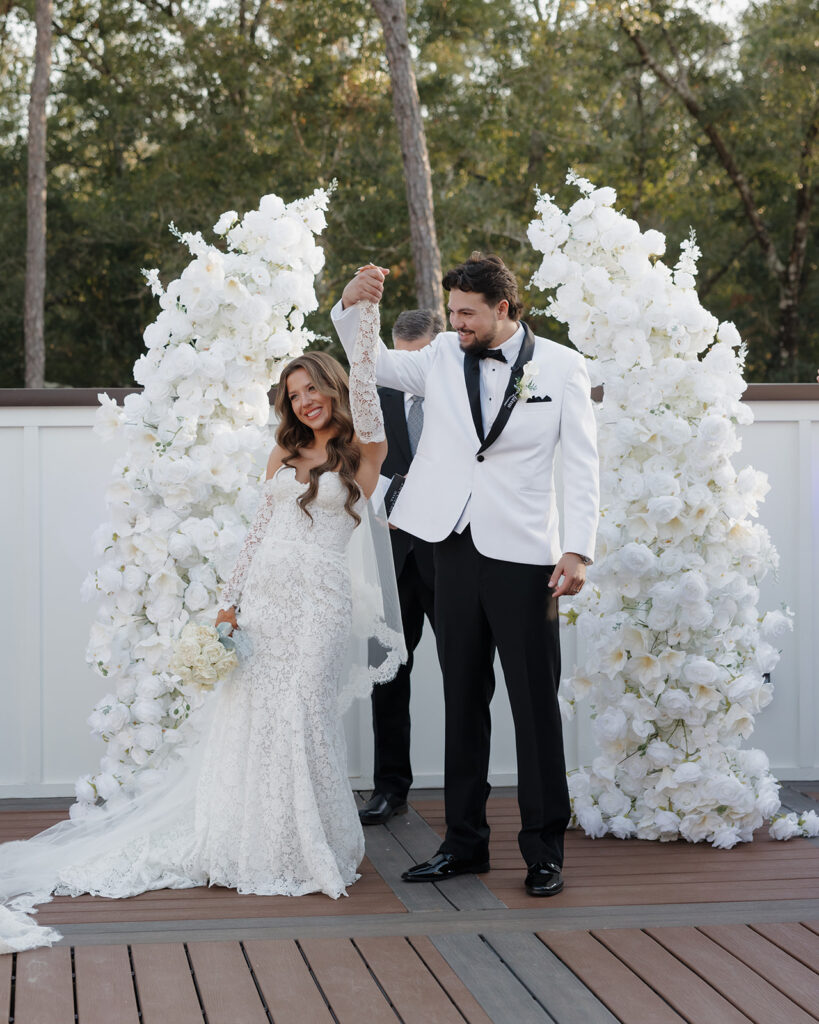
183 493
677 657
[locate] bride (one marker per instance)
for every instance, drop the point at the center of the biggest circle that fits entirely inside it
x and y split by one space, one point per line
262 802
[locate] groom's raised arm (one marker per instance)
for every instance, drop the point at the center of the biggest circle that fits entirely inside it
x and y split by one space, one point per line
404 371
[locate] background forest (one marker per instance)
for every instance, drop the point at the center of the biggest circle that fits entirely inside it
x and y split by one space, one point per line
700 114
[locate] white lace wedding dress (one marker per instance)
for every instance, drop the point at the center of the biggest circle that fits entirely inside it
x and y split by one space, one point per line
264 804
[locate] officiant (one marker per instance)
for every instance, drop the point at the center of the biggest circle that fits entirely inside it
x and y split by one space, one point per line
413 330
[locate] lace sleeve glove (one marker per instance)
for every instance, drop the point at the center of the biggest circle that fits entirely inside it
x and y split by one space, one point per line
368 420
232 591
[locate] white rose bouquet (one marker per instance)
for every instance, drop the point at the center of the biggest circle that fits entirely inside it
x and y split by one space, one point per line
204 655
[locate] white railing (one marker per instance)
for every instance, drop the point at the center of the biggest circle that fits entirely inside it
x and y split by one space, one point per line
56 472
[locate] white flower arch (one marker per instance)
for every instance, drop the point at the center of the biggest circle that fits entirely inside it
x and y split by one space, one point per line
183 493
677 658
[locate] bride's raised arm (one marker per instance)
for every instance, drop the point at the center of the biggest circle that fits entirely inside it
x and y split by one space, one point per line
365 405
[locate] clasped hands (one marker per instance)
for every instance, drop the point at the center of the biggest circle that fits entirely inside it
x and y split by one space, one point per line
366 286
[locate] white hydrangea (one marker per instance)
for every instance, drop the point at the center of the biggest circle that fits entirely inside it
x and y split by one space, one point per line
676 651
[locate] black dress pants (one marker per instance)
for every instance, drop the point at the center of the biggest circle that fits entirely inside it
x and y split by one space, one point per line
392 774
482 604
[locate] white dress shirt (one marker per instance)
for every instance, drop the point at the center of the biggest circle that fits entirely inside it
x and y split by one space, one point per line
494 378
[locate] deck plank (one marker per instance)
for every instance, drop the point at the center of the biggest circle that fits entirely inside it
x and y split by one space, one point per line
796 940
466 892
684 990
496 988
5 986
105 991
750 993
225 984
289 990
165 984
615 985
44 992
566 999
410 985
391 859
346 982
460 995
791 977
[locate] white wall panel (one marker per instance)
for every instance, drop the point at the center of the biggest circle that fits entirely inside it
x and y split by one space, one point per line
13 680
57 470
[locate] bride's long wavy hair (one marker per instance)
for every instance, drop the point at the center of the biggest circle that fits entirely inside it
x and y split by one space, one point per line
343 455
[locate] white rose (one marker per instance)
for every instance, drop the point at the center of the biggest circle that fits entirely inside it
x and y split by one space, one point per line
776 624
613 803
767 800
660 754
580 209
590 820
664 508
84 790
145 710
785 827
667 822
637 559
196 597
611 724
622 827
654 242
728 334
744 686
225 222
579 785
810 823
148 736
689 771
725 837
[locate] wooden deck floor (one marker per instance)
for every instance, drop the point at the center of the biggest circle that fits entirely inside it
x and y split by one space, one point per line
643 933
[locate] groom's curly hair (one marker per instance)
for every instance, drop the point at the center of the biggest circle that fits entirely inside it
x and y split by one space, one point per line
488 275
343 454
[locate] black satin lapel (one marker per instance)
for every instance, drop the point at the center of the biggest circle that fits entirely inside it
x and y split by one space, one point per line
395 414
510 400
472 375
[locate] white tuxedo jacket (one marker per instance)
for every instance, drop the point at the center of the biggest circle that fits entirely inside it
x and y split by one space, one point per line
510 475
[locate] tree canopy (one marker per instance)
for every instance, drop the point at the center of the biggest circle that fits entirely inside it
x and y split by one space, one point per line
176 110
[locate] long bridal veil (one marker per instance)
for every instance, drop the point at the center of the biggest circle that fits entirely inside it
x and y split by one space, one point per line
147 839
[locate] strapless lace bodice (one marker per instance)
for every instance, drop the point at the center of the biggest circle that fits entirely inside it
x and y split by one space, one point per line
289 522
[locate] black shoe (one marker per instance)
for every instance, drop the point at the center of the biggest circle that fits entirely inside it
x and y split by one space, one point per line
380 808
444 865
544 879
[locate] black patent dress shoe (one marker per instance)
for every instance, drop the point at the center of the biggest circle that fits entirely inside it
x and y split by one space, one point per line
443 866
380 808
544 879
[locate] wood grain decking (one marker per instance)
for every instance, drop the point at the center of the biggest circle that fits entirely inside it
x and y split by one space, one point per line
614 872
644 933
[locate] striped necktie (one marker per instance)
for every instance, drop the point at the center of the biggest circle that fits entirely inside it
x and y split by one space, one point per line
415 422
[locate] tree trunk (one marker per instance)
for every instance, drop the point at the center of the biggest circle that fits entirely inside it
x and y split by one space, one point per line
34 311
423 238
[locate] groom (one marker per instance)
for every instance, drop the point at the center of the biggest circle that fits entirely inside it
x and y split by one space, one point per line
481 488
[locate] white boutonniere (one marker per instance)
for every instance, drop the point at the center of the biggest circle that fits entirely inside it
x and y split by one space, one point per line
526 387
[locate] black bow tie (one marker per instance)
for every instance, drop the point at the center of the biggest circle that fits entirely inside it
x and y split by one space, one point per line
492 353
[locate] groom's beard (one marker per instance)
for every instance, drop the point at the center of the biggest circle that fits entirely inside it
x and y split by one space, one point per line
475 343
